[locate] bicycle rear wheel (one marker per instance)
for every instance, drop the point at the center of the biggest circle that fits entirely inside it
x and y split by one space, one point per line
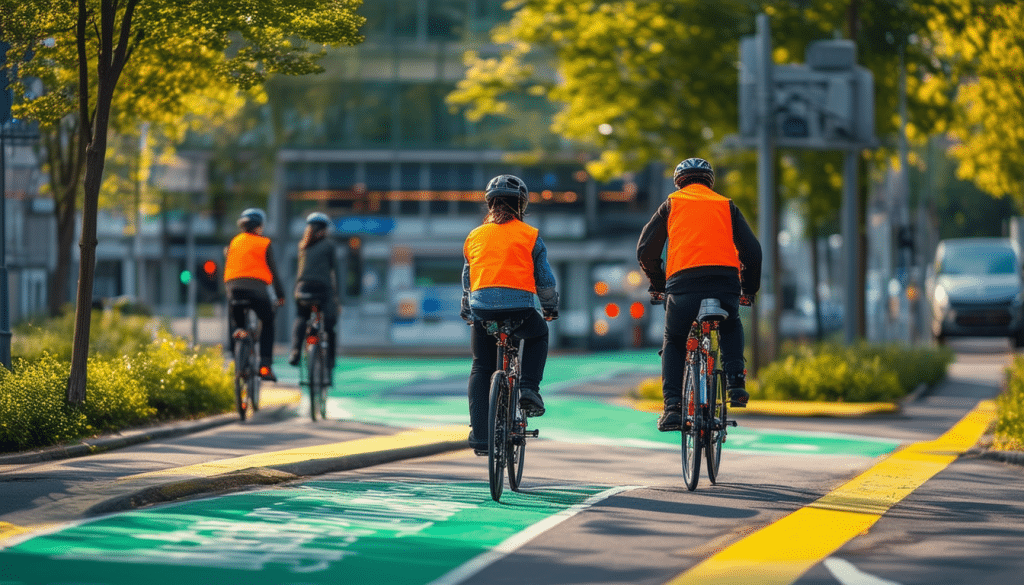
241 379
316 382
716 434
516 452
497 439
692 428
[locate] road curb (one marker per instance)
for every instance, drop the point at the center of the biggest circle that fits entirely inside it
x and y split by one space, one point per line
262 476
1011 457
99 445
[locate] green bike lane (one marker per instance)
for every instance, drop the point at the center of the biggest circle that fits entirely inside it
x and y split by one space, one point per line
316 532
430 392
378 531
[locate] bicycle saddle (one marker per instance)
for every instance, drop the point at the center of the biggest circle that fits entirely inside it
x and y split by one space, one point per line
306 299
506 326
711 310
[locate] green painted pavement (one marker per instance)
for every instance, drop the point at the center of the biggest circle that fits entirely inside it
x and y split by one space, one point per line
319 532
361 376
362 385
588 421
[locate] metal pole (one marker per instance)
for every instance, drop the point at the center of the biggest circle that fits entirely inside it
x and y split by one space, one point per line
5 315
851 245
765 189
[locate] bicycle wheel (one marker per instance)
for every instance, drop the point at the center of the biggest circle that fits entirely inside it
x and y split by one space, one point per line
692 428
255 381
497 439
716 434
516 451
241 380
316 381
325 383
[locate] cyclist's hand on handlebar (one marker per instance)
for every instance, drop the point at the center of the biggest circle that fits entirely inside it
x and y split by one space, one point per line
657 298
550 314
747 300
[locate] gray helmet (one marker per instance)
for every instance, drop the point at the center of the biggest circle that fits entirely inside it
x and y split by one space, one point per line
319 219
694 170
252 218
508 186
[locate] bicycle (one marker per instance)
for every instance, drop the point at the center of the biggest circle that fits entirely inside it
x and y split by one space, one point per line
313 370
506 441
705 421
247 368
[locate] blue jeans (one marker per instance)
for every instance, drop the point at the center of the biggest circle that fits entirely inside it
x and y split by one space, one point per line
533 332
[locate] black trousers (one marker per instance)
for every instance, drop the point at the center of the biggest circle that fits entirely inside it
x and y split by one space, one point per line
680 311
330 321
533 332
264 311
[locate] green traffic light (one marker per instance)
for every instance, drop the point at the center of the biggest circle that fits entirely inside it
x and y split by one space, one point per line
185 277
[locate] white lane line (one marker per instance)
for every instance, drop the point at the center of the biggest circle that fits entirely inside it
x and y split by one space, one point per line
847 574
509 545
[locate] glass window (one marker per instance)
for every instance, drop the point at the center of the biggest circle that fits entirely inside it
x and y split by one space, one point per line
375 125
341 175
378 176
437 271
978 260
446 19
379 18
415 115
406 18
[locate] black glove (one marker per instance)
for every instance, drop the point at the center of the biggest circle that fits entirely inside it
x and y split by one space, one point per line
747 300
465 313
550 314
657 298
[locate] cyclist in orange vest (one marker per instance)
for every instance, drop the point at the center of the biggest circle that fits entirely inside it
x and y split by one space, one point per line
506 268
712 252
250 273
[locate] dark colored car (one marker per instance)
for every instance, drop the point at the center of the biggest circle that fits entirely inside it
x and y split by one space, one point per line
976 289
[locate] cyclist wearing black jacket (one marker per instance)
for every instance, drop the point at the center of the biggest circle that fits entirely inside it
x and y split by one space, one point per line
712 252
317 276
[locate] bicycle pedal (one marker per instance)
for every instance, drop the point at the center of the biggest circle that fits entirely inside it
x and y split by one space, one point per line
532 433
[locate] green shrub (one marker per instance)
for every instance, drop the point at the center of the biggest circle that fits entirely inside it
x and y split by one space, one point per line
33 409
134 377
839 373
1009 433
182 382
111 333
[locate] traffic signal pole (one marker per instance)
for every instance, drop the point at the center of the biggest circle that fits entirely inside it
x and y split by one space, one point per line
766 214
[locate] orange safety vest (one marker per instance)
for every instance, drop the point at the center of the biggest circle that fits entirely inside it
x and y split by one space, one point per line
501 255
700 230
247 258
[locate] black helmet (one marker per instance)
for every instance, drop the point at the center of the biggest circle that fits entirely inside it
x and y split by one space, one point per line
694 170
508 186
252 218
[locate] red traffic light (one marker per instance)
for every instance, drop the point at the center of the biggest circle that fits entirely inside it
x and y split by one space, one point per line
210 267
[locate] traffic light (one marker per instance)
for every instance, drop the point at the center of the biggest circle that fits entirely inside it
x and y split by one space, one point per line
354 267
210 286
185 277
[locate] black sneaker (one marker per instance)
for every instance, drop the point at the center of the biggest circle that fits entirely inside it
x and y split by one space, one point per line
293 359
531 403
737 386
671 419
479 447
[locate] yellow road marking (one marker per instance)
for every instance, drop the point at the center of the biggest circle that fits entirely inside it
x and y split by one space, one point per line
356 447
781 552
792 408
8 530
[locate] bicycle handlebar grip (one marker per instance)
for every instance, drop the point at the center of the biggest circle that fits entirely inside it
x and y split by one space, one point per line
657 298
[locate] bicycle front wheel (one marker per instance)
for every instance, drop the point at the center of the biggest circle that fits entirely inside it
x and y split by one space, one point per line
497 439
692 428
715 434
516 451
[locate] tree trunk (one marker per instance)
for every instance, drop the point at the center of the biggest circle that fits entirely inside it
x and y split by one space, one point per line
66 158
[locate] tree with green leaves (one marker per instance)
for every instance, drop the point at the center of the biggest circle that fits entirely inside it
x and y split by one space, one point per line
106 48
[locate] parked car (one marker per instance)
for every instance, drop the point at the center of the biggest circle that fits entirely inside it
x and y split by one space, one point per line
976 289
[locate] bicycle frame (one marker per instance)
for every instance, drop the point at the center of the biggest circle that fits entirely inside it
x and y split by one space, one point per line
315 342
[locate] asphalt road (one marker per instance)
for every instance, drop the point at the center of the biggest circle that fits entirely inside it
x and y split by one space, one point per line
590 510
